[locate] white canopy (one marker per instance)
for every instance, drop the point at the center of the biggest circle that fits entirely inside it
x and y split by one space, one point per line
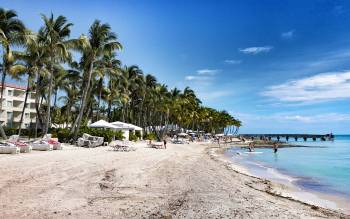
122 125
103 124
137 128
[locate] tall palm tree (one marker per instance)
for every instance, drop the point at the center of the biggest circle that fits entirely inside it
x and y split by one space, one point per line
101 41
11 33
54 34
29 62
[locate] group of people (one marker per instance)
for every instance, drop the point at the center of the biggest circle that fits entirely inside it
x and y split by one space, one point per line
251 147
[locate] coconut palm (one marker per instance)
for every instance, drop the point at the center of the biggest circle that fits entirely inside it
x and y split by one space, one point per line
11 33
29 62
54 34
100 41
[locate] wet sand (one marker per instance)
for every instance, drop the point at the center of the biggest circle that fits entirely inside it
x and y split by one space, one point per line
183 181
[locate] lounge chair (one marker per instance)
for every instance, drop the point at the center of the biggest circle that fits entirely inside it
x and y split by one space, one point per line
56 145
157 145
41 145
90 141
121 146
8 148
23 146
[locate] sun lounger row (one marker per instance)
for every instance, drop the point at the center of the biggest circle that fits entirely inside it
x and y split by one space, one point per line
13 145
90 141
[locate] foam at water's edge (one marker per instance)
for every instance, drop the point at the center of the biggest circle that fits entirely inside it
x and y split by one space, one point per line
296 187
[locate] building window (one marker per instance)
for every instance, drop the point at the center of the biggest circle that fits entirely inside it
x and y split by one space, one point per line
9 92
9 104
26 115
9 119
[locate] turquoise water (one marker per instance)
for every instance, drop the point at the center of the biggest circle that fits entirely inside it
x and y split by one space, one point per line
323 167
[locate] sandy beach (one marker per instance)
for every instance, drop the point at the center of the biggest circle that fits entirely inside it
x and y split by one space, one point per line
183 181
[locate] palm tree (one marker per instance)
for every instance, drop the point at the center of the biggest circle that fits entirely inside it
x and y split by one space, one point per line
101 41
11 33
54 34
29 62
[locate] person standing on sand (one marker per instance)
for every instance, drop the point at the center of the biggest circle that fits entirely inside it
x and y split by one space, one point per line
164 142
275 147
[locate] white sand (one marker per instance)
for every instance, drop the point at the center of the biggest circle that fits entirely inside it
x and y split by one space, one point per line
182 181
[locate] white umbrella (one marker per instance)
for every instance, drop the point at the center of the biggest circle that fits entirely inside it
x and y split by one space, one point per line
182 134
103 124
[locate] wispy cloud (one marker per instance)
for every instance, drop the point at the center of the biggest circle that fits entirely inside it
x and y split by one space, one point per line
288 35
203 75
233 61
317 88
256 50
208 71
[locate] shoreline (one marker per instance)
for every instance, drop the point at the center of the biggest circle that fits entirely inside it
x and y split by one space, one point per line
285 188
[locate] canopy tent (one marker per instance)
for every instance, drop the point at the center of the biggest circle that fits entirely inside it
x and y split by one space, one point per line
122 125
126 128
136 128
103 124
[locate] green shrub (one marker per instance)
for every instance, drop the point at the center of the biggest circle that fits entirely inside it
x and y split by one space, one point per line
138 134
64 136
132 137
150 136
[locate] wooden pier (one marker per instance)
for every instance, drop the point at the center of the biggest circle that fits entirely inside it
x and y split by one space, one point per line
287 137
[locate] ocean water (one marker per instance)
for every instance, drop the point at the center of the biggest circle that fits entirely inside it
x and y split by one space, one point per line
322 167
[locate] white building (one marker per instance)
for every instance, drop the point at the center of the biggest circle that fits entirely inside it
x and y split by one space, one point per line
12 106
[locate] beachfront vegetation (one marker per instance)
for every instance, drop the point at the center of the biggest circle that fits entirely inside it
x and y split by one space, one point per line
77 80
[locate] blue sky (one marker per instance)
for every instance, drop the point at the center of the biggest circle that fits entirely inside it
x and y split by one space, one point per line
279 66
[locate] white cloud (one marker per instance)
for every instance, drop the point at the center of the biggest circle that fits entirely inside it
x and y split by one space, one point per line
203 75
318 88
256 50
233 61
208 71
288 34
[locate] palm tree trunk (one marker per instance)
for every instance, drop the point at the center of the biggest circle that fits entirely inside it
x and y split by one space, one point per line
99 102
76 125
48 114
24 108
55 99
2 132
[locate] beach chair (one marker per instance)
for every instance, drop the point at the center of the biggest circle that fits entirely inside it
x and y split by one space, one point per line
90 141
23 146
41 145
158 145
56 145
8 148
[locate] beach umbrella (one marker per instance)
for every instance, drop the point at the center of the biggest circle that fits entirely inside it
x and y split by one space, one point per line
182 134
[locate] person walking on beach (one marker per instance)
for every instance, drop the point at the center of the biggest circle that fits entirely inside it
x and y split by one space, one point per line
275 147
